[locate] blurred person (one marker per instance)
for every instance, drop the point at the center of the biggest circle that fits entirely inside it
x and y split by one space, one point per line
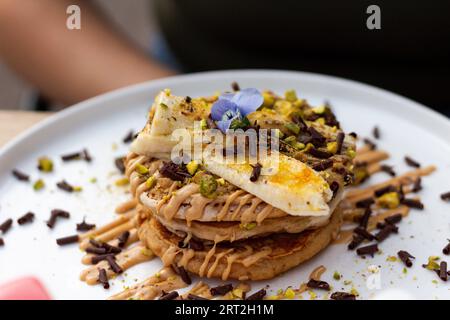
408 55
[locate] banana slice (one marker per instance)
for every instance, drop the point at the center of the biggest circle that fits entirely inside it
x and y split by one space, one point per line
285 183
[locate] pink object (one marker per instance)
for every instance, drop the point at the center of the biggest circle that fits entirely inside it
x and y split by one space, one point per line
28 288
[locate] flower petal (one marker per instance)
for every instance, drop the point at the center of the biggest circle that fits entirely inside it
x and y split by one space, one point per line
248 100
227 96
220 107
224 125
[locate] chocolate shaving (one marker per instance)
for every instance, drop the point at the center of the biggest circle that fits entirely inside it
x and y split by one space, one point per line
443 271
406 258
235 86
365 203
356 241
445 196
169 296
20 175
342 296
319 153
221 290
84 226
396 218
363 222
340 141
71 156
317 139
123 238
54 215
95 250
323 165
370 144
385 232
103 278
259 295
67 240
413 203
379 192
63 185
370 249
376 132
446 249
364 233
101 257
120 165
317 284
5 226
388 169
113 264
129 137
174 171
26 218
256 172
191 296
411 162
182 273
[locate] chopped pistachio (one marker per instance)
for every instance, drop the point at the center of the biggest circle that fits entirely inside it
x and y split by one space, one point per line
77 189
151 181
405 270
290 95
389 200
93 180
269 100
289 293
248 226
336 276
319 109
292 127
320 121
238 293
45 164
354 291
432 264
147 252
208 186
283 107
122 182
163 105
312 295
272 297
38 185
278 133
392 259
290 140
221 181
351 153
141 169
203 124
167 92
192 167
332 147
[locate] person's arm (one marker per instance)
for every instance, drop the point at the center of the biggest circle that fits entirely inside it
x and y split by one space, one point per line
69 65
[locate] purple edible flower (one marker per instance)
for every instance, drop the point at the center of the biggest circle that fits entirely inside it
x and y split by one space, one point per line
231 107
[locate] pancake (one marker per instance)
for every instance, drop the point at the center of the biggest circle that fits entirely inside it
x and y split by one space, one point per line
251 259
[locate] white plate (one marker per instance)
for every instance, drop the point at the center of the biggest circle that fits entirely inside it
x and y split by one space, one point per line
99 123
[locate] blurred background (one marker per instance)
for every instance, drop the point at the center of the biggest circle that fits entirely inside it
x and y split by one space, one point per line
45 66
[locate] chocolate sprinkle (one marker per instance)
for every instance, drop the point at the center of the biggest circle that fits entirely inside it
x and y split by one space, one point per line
84 226
445 196
26 218
5 226
20 175
235 86
63 185
101 257
385 232
86 155
259 295
194 297
406 258
356 241
123 238
71 156
365 203
2 242
364 233
379 192
221 290
67 240
363 222
323 165
95 250
376 132
334 186
443 271
188 99
317 284
182 273
129 137
340 141
103 278
446 249
342 296
388 169
317 139
370 249
396 218
120 165
256 172
113 264
57 213
417 186
174 171
412 203
169 296
411 162
370 144
319 153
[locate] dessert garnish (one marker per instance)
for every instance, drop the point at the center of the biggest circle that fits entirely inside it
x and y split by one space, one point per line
20 175
6 225
84 226
445 196
370 250
129 137
406 258
67 240
103 278
342 296
259 295
221 290
411 162
54 215
26 218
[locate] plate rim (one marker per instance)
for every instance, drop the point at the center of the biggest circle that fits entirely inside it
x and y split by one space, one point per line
92 102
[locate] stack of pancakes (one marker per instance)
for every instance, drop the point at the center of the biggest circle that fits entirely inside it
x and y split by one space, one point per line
230 233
